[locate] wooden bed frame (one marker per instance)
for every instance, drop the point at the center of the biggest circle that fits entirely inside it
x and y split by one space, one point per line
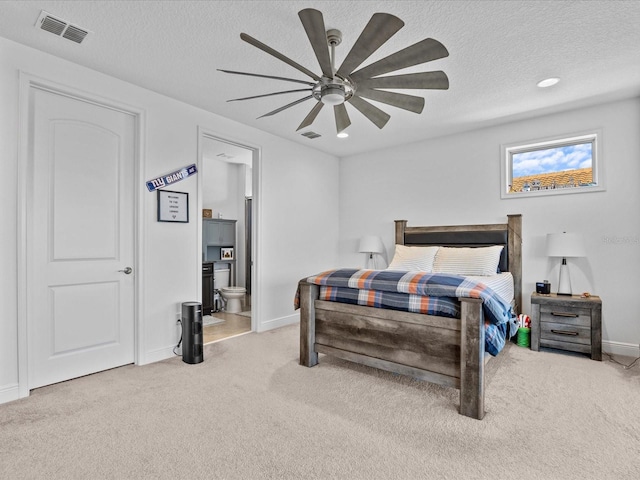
440 350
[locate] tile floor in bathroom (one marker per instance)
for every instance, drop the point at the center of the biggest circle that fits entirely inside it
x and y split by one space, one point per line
234 324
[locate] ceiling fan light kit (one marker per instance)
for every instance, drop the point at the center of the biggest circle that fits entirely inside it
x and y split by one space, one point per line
332 95
337 87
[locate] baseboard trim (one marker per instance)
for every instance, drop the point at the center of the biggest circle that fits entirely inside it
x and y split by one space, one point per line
167 352
9 393
619 348
157 355
279 322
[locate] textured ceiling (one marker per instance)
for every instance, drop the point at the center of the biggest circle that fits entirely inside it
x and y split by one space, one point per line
498 51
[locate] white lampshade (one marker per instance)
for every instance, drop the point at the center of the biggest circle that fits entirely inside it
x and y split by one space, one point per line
371 244
565 245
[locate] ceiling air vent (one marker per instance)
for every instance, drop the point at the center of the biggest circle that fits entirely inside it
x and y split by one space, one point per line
75 34
311 135
61 28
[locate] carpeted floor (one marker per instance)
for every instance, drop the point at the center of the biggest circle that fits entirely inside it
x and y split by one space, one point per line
249 411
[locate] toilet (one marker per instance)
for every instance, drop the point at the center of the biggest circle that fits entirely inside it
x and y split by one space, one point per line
232 296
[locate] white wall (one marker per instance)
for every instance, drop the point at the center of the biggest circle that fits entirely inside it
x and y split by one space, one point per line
223 191
291 231
221 187
455 180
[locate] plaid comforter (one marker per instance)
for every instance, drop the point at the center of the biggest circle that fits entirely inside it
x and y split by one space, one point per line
418 292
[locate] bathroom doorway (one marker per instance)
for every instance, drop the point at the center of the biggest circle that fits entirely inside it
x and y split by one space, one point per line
228 179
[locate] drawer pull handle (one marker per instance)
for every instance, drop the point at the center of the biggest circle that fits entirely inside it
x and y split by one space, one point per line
565 332
561 314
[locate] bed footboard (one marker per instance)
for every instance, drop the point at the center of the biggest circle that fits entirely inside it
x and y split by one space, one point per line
440 350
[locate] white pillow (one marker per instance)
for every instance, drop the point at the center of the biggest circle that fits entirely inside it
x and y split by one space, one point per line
468 260
413 259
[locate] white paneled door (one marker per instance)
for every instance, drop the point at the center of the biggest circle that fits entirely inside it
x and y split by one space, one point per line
80 238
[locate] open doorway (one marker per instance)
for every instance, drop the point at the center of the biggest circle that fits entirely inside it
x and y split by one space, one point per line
227 241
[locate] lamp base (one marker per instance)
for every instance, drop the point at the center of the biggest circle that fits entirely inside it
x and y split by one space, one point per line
371 263
564 282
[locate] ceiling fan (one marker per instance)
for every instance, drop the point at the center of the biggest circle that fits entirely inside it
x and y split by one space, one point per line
335 87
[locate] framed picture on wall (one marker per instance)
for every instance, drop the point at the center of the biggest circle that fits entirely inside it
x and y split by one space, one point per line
226 254
173 206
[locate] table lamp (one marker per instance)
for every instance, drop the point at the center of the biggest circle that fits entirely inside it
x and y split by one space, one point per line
371 244
565 245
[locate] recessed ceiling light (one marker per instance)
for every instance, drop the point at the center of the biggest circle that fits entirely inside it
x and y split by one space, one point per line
548 82
343 135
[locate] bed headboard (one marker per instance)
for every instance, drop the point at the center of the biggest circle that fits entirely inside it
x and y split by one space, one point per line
508 234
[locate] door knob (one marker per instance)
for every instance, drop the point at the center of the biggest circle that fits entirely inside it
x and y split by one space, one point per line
127 270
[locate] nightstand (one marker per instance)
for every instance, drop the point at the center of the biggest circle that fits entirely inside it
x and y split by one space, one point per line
567 322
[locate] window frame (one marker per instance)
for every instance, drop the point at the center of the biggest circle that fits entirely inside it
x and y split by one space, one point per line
593 136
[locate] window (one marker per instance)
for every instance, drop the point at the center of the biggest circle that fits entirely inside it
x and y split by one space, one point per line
550 167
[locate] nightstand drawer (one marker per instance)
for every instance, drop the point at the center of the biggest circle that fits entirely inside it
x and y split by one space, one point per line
561 332
568 316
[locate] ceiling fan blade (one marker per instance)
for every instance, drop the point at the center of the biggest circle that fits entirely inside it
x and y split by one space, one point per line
373 113
278 110
380 28
304 82
342 117
265 48
309 119
270 94
400 100
314 26
425 80
425 51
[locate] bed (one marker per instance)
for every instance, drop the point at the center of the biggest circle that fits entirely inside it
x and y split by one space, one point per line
436 348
